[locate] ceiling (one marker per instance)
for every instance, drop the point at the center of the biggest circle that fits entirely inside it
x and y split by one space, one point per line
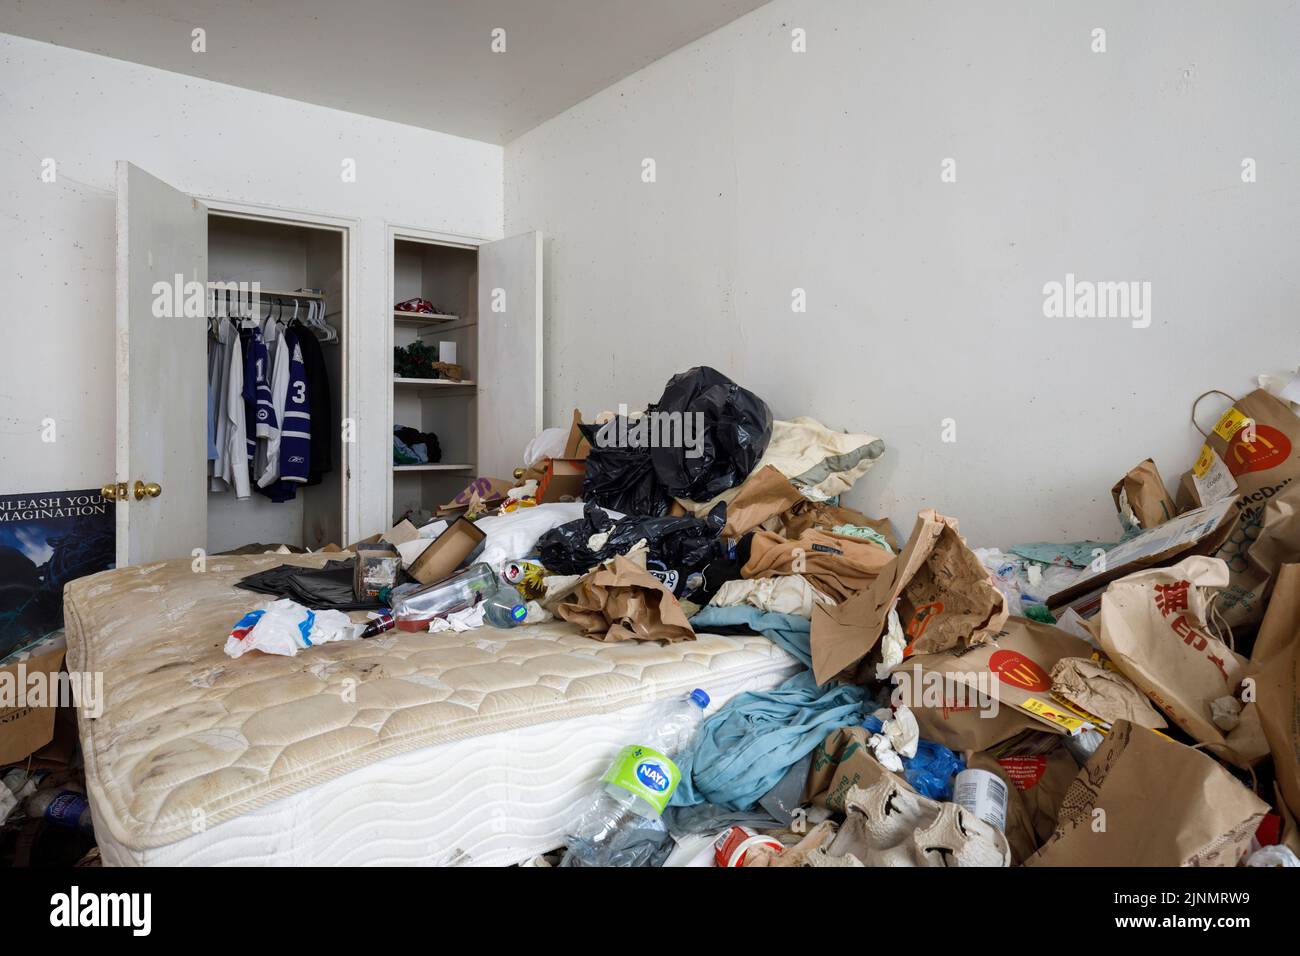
428 63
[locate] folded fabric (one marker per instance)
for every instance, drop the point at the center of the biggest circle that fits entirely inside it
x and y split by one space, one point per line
837 566
790 594
787 631
622 601
742 751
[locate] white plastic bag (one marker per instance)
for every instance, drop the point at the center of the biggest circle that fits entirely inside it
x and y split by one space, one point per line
284 626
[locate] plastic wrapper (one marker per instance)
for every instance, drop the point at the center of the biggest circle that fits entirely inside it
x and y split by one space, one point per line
680 547
932 771
736 427
622 477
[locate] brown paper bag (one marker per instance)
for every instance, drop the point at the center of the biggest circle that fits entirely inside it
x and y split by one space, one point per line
841 761
620 601
1096 688
945 599
1036 786
1155 628
1276 668
765 494
836 565
1255 444
1141 498
988 692
1145 800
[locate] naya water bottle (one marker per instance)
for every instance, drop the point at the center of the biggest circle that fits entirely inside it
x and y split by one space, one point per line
621 825
504 607
415 609
64 808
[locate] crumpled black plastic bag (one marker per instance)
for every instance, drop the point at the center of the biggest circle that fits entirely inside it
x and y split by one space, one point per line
620 477
737 427
679 546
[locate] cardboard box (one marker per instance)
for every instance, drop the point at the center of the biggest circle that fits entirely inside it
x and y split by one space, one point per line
562 477
378 565
25 727
458 545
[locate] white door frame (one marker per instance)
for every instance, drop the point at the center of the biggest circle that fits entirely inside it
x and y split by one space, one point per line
351 232
396 232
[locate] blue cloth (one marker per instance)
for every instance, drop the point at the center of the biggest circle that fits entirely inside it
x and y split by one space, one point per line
787 631
742 751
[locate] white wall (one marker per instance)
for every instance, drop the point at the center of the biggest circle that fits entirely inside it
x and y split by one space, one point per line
57 239
821 170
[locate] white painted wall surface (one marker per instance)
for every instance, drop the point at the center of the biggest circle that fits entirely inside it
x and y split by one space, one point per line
57 240
779 170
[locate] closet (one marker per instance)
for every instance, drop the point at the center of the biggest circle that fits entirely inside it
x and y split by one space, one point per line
297 268
484 303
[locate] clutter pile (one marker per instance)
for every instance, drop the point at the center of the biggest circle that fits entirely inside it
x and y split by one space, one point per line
1130 702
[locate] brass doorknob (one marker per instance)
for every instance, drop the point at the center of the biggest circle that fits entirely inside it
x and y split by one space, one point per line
152 489
114 492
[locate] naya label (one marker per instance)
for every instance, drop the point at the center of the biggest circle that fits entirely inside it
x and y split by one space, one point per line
645 772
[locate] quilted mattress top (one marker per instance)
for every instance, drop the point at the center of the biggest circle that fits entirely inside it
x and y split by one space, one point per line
188 737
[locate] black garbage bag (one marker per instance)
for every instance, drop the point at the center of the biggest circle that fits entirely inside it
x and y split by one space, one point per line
737 426
681 548
621 476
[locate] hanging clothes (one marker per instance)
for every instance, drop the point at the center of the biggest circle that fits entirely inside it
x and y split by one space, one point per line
322 411
230 470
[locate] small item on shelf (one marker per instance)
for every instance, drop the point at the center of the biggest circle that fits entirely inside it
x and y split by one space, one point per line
418 360
414 447
423 306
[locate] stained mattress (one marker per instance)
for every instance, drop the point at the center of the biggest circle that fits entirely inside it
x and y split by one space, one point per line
410 747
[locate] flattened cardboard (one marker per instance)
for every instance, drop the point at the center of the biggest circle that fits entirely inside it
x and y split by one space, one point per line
577 447
454 547
1201 531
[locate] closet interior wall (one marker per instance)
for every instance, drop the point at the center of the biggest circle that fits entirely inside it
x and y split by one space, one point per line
283 257
447 276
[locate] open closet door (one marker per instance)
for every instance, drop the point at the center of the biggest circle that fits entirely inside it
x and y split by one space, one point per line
509 369
160 486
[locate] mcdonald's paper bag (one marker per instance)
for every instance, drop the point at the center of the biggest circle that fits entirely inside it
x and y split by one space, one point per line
1156 627
1145 800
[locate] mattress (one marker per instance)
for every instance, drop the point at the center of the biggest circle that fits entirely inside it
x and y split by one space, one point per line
469 748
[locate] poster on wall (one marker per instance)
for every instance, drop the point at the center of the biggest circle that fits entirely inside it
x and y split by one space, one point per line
47 539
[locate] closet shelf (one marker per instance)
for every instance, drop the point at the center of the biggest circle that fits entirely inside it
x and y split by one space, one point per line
273 293
432 383
437 467
423 318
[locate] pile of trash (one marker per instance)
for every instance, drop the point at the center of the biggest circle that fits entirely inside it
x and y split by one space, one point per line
1128 702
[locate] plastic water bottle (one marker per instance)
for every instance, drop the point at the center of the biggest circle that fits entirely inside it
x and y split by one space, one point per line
621 825
64 808
415 609
504 607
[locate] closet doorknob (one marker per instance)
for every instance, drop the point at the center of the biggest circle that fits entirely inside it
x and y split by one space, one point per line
153 490
114 492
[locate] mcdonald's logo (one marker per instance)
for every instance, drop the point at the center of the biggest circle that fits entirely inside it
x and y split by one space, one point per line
1269 449
1016 670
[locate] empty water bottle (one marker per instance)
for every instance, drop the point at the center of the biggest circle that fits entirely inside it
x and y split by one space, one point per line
620 825
415 609
504 607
